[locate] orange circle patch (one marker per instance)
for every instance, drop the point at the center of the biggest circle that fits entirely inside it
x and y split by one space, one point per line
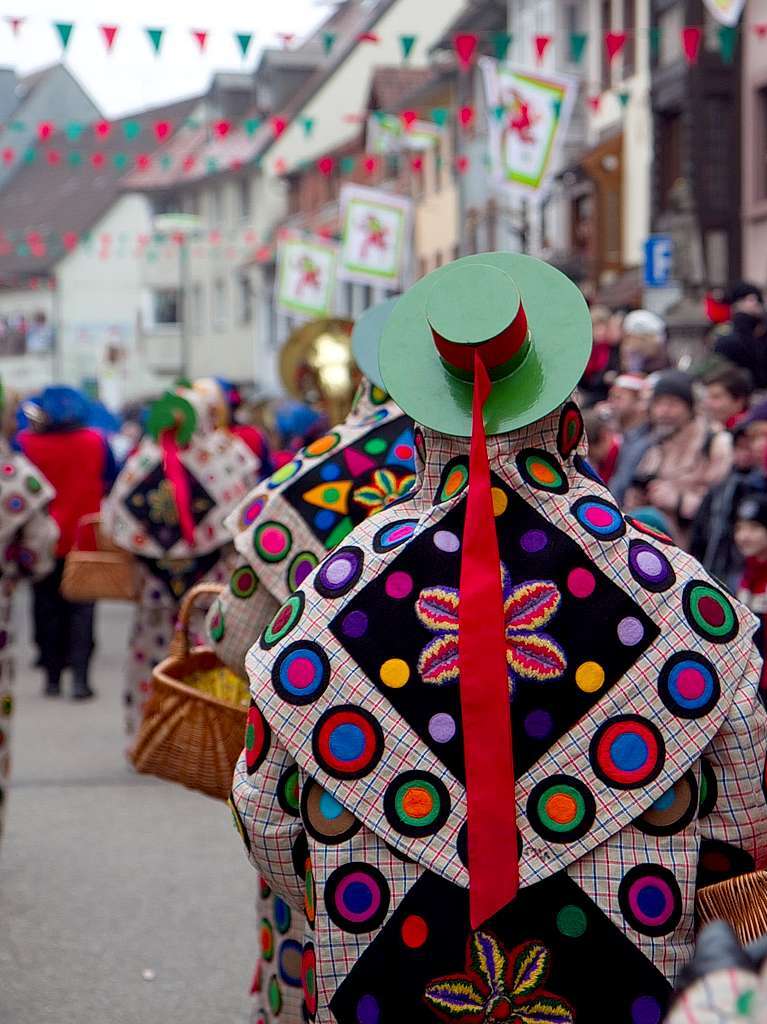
561 808
417 802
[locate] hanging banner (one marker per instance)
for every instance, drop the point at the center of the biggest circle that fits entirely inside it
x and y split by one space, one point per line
375 234
387 134
306 277
726 12
528 118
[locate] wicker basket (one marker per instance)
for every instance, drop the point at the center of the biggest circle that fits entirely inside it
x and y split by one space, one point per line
188 736
101 573
740 901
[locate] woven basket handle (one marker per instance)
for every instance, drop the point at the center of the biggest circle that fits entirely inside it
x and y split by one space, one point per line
179 645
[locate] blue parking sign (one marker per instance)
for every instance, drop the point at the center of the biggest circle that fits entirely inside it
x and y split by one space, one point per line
658 254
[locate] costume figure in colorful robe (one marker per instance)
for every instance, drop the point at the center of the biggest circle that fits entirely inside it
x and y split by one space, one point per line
28 538
639 745
303 511
142 516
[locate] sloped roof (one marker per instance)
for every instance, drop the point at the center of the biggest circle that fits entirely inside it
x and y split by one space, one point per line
392 85
54 199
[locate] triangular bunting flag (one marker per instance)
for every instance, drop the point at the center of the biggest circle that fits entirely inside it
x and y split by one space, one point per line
325 165
307 123
202 38
462 164
556 106
64 29
357 462
691 39
623 98
760 29
370 164
614 43
465 46
439 116
9 154
279 124
578 42
102 129
328 42
499 111
211 166
120 160
109 32
166 161
221 128
728 40
74 158
501 44
155 37
15 24
466 116
188 163
251 125
406 45
654 39
334 495
408 118
45 129
541 46
161 130
594 102
368 37
244 40
286 38
73 131
132 130
347 164
416 164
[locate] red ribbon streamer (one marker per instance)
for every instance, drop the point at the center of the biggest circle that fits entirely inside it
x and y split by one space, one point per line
176 475
484 688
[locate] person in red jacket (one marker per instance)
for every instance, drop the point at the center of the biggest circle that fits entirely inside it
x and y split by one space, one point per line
79 464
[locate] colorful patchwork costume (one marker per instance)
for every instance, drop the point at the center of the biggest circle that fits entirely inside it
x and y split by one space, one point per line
28 536
513 830
142 515
303 511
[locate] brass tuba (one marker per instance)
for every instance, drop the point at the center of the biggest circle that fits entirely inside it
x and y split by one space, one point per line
317 366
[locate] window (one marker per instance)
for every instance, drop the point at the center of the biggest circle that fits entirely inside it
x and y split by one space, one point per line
670 154
218 317
243 188
166 202
166 306
629 27
245 299
191 202
606 22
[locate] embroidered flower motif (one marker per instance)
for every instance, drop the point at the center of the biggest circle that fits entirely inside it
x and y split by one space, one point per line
162 504
385 487
530 654
499 986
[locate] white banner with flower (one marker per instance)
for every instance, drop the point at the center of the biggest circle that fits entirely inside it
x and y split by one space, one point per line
306 277
375 235
726 12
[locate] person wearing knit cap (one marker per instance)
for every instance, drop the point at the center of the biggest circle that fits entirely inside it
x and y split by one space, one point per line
685 458
500 699
746 343
643 348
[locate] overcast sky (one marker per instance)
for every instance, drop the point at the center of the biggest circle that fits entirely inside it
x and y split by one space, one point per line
131 76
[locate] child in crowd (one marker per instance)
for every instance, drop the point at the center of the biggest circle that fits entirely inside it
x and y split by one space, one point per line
728 392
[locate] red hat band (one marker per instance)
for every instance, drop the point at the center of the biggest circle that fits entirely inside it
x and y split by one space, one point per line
494 353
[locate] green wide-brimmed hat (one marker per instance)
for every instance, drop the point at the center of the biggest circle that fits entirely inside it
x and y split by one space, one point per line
366 338
529 323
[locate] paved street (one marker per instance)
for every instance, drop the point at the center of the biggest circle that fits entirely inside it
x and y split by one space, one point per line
105 874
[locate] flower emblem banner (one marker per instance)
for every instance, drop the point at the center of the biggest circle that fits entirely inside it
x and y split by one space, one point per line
375 233
726 12
306 277
528 117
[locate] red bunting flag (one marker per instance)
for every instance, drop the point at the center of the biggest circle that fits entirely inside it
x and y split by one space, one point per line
97 160
161 130
370 164
263 254
595 103
691 40
54 157
408 118
325 165
280 167
462 164
614 43
102 129
465 46
416 164
466 116
69 240
279 124
15 24
541 46
8 155
286 38
760 28
143 161
188 164
45 129
368 37
222 128
326 231
202 38
109 32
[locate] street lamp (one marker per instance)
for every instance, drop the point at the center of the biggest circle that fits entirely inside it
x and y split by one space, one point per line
181 227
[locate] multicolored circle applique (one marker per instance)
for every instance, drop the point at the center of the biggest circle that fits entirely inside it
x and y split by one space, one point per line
627 752
416 804
33 485
310 894
689 685
561 809
414 931
267 940
282 915
454 480
709 612
15 504
284 621
309 980
649 530
650 900
570 432
357 898
251 512
709 788
302 564
673 811
572 921
217 623
600 518
274 995
272 541
288 791
391 536
347 742
301 672
541 470
284 473
650 567
377 395
8 470
325 819
394 673
289 962
244 582
258 737
339 572
584 467
322 445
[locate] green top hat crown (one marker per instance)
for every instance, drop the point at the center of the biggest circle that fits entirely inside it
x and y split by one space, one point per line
530 324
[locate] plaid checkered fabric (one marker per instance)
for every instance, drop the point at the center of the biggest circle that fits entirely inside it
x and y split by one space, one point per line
656 777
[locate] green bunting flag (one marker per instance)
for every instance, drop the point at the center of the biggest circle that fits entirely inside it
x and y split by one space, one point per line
728 39
211 165
307 123
498 112
29 156
244 40
557 107
501 44
155 37
120 160
439 115
406 44
347 164
64 30
74 130
623 99
132 130
251 125
74 159
166 161
18 126
578 42
654 37
328 42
